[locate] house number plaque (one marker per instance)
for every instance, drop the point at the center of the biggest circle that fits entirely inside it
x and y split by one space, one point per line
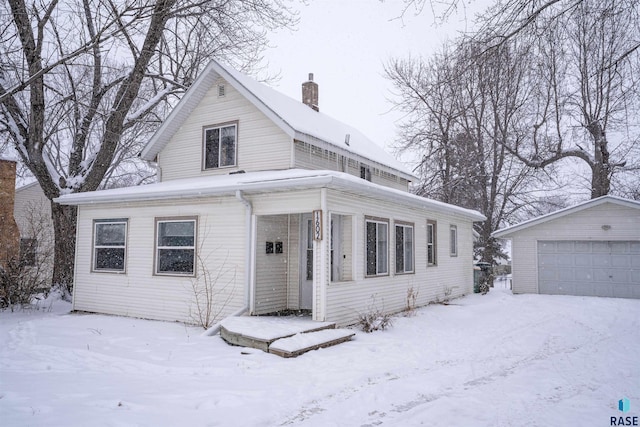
317 225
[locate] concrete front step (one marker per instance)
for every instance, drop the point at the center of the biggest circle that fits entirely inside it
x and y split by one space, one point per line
284 336
303 342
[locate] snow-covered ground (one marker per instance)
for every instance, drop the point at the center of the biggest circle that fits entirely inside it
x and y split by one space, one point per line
494 360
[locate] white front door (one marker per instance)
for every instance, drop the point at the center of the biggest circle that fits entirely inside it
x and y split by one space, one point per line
306 256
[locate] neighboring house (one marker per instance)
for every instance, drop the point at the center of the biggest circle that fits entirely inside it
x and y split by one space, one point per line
278 205
26 229
589 249
32 211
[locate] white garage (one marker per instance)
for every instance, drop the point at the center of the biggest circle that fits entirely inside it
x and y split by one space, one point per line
591 249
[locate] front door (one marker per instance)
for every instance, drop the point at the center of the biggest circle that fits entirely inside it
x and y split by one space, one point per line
306 272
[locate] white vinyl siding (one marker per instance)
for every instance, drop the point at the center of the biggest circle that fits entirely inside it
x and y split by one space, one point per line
261 145
344 300
271 267
140 293
584 225
221 239
308 156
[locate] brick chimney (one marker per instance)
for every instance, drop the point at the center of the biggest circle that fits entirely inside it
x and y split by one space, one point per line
9 233
310 93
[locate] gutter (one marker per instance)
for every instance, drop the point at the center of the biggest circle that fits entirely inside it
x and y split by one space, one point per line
248 270
319 179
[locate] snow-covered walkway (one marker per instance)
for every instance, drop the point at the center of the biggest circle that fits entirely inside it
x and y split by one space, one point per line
494 360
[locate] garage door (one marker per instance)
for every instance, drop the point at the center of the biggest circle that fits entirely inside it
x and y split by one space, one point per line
592 268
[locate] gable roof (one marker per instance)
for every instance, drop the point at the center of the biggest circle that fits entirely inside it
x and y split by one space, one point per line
295 119
261 182
567 211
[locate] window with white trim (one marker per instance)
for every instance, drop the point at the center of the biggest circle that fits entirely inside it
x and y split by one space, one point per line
220 146
432 237
377 247
109 245
176 246
404 248
453 240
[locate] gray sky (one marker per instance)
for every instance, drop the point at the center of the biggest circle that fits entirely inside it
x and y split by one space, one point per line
345 43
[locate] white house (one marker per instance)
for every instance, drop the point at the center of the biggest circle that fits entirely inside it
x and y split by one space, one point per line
281 206
589 249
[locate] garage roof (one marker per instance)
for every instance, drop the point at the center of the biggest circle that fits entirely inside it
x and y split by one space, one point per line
506 232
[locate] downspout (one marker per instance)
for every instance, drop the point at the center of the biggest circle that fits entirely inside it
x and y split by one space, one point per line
248 270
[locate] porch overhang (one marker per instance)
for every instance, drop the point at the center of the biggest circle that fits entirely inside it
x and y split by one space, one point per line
258 183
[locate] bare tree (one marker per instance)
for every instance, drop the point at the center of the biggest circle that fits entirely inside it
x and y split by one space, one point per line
585 66
462 110
82 83
508 19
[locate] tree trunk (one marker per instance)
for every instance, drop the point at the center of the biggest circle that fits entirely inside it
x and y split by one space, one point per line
600 177
64 225
600 181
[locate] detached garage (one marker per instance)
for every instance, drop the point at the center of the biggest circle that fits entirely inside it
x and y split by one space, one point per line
590 249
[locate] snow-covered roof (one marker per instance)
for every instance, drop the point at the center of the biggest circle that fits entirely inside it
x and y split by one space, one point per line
260 182
295 118
505 232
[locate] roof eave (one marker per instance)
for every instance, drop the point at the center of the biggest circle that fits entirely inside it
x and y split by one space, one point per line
275 185
506 232
193 97
194 193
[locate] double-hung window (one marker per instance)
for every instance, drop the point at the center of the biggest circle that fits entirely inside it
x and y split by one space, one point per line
220 146
432 238
176 246
109 245
377 246
404 248
453 240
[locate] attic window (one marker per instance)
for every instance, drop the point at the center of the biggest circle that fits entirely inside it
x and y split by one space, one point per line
221 91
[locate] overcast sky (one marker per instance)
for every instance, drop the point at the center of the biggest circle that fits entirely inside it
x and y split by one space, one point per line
346 43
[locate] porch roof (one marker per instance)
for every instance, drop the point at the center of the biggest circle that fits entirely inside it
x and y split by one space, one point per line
261 182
